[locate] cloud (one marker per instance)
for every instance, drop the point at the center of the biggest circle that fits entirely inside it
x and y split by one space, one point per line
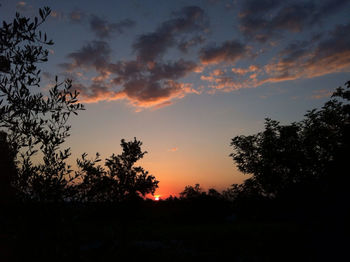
138 93
94 54
185 44
101 27
24 7
244 71
171 70
97 91
156 76
21 6
307 59
155 83
77 16
152 46
152 71
225 81
57 14
263 20
104 29
229 51
143 85
146 81
47 75
147 94
318 94
174 149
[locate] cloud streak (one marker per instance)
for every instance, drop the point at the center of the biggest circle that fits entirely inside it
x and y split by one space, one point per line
77 16
174 149
303 60
104 29
264 20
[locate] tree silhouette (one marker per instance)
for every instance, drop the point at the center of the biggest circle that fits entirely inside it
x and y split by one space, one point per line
192 192
8 171
301 159
120 181
34 121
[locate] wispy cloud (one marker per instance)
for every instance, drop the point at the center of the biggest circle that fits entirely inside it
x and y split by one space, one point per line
263 20
104 29
22 6
59 15
306 60
319 94
174 149
77 16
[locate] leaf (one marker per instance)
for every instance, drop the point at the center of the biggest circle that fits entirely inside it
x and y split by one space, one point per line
41 13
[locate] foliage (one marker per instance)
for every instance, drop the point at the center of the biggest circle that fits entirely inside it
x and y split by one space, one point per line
249 190
196 193
8 170
191 192
303 158
34 121
120 181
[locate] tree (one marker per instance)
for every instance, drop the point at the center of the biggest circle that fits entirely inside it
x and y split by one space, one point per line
213 194
34 122
299 160
8 171
120 181
191 192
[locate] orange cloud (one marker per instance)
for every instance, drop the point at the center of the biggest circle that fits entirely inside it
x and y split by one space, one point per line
56 14
174 149
318 94
21 4
243 71
221 79
218 72
98 91
307 67
299 60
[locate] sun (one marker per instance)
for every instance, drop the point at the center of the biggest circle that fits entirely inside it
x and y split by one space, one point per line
156 198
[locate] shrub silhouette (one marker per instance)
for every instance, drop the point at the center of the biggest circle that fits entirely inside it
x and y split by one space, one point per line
120 181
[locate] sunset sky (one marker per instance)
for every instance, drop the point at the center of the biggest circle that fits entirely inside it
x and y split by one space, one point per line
185 77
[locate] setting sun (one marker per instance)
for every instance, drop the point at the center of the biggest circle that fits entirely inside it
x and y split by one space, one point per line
156 198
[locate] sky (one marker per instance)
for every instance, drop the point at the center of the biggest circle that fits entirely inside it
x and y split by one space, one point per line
185 77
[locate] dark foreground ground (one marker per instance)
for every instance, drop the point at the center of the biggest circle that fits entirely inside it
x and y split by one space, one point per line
166 232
